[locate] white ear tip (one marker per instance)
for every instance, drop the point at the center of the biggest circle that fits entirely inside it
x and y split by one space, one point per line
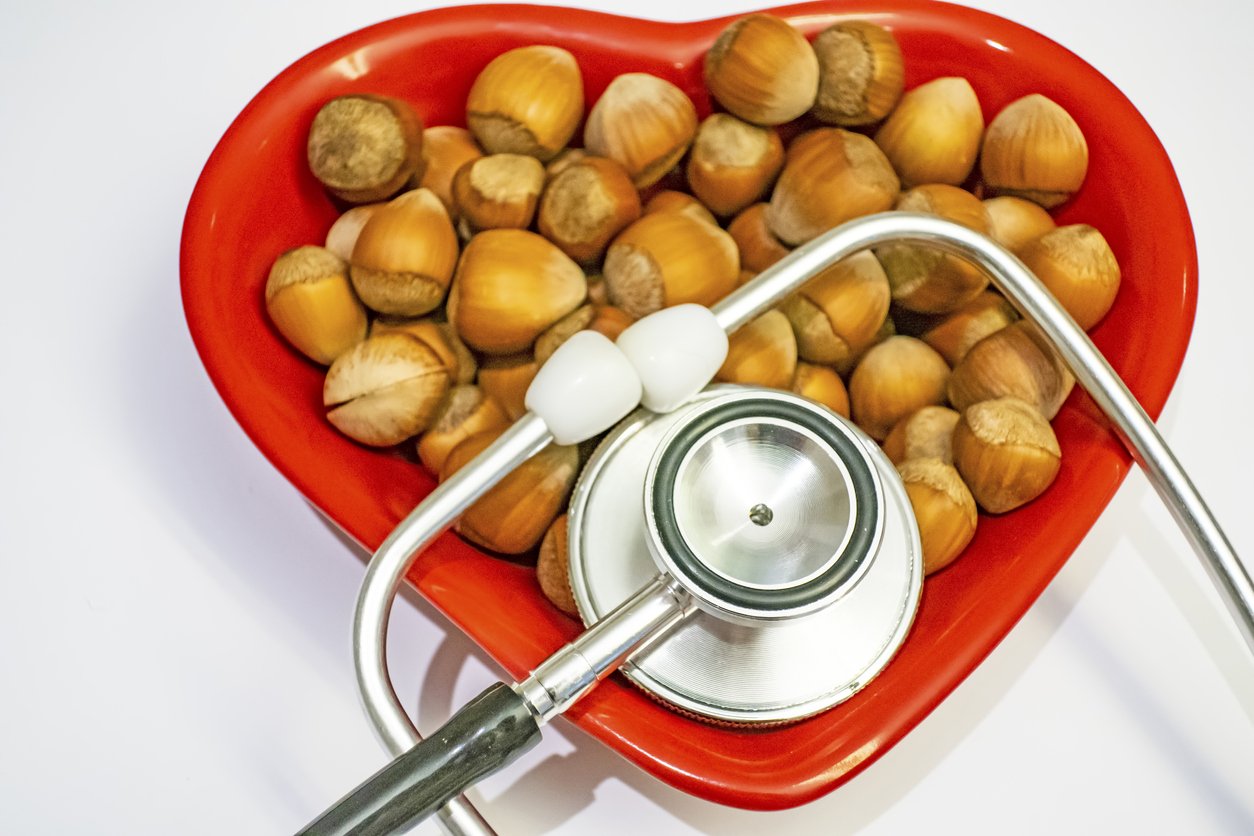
585 388
676 352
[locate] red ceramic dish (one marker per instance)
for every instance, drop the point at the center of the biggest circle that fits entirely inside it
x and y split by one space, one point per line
256 199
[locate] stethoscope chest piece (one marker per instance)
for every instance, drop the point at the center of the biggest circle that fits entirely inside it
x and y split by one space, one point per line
786 525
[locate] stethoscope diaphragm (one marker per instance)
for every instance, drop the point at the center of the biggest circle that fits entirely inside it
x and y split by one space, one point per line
798 612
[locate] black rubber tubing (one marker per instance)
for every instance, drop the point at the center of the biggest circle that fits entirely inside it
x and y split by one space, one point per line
487 734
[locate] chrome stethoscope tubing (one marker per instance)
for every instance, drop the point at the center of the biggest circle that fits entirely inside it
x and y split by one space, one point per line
666 606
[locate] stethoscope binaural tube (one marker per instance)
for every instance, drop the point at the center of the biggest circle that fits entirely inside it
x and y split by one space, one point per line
530 434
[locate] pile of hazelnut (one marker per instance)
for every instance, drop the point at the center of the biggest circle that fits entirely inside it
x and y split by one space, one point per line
470 255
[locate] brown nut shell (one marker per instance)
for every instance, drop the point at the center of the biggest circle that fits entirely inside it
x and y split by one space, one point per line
861 74
311 302
886 330
506 380
924 279
528 101
364 148
762 353
511 285
1014 361
1014 222
924 434
733 163
823 386
499 191
943 508
830 176
565 158
440 338
385 389
763 70
445 149
553 568
954 335
405 254
1033 149
933 136
668 258
669 200
465 411
604 319
893 379
585 205
642 122
1079 268
1006 452
758 246
513 516
342 236
840 311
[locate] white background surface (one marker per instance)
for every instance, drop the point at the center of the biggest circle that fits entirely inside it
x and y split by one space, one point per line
174 617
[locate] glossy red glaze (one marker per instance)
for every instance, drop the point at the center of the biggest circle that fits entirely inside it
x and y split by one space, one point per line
255 199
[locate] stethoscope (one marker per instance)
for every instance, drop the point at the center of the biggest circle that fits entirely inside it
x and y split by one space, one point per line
720 477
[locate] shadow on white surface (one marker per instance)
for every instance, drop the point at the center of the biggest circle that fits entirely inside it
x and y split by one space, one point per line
1143 705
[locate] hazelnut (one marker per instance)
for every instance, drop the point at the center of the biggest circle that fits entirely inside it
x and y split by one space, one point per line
762 353
925 279
565 158
943 508
513 516
1078 267
926 433
1014 222
642 122
733 163
312 304
886 330
553 568
668 258
499 191
861 75
1006 452
465 411
840 310
363 147
511 285
954 335
342 236
604 319
440 338
934 134
526 101
669 200
405 255
758 246
506 380
585 205
446 149
763 70
1014 361
830 176
384 389
1035 150
823 386
893 379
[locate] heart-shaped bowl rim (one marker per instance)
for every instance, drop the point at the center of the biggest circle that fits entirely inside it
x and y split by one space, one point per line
255 199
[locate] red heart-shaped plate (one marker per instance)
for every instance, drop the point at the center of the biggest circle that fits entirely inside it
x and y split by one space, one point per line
256 199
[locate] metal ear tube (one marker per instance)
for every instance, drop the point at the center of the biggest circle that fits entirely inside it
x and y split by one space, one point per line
428 775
